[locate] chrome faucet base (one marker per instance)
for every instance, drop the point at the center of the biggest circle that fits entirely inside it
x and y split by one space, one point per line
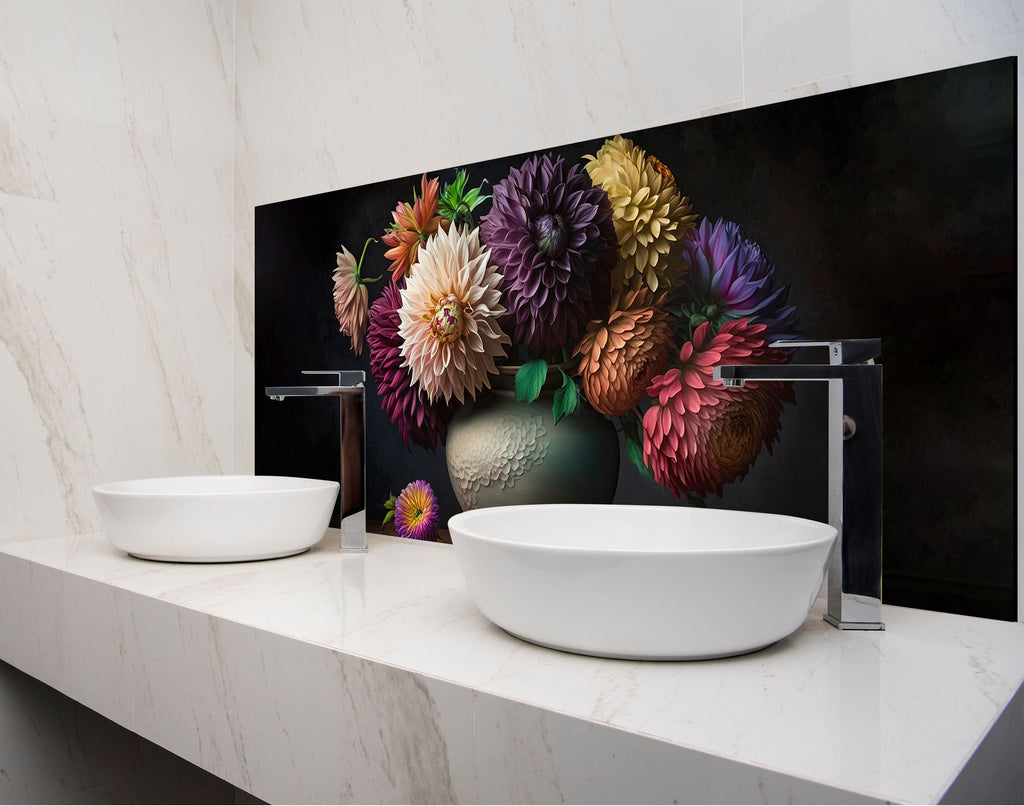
854 381
854 625
350 391
353 533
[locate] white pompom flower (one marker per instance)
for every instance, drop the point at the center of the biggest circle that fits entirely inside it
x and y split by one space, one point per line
449 316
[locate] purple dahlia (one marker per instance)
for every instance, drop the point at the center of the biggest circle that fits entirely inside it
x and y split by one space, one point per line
551 234
419 421
729 278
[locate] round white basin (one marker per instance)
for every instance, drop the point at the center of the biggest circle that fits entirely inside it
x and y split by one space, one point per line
642 582
209 519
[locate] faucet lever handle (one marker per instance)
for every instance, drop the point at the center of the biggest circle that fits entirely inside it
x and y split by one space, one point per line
344 377
840 351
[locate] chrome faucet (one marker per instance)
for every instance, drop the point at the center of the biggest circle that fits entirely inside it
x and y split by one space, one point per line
854 469
349 389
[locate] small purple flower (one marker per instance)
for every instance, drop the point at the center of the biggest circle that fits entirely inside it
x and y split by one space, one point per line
551 234
416 512
729 278
419 421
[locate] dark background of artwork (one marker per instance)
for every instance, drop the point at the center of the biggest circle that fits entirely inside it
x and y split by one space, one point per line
890 210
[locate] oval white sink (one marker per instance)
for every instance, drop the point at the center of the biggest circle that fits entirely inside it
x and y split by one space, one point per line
642 582
210 519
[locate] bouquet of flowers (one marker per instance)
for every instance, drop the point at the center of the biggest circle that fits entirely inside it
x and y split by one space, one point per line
602 268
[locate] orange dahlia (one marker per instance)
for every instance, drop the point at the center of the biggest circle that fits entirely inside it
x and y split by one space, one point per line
700 435
620 354
413 224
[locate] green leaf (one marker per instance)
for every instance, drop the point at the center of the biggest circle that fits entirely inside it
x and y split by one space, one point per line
636 455
389 505
567 399
456 203
529 380
475 197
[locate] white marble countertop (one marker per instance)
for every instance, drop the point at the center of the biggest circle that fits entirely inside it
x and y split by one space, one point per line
373 678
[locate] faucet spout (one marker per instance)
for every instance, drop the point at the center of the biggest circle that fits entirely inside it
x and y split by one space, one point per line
737 375
854 469
349 389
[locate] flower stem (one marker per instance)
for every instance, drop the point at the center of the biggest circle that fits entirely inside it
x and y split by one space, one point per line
359 265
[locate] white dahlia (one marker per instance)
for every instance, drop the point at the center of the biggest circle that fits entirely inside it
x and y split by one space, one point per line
449 316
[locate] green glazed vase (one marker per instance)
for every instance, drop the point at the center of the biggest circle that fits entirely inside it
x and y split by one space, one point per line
500 452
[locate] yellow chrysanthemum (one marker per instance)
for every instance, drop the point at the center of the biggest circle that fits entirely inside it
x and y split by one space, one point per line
648 211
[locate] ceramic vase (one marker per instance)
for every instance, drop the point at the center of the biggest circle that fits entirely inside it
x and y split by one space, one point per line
501 452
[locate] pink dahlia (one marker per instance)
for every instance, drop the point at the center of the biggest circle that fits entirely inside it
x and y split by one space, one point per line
416 512
351 306
419 421
551 233
699 434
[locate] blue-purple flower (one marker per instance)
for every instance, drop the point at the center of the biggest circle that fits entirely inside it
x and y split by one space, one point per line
550 233
728 278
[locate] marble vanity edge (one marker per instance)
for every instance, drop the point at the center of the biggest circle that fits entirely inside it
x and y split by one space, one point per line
183 679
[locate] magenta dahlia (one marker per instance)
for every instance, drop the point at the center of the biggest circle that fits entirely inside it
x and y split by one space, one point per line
550 232
419 421
700 435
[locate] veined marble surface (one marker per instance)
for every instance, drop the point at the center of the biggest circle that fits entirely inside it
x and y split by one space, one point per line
116 251
328 678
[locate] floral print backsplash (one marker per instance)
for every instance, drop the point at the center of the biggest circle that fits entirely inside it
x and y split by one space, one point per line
600 266
581 294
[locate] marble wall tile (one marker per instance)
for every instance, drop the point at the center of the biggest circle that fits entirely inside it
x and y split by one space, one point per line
335 95
1011 44
116 311
123 106
803 41
244 351
117 349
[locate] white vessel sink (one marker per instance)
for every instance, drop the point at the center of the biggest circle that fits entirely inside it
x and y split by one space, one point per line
210 519
642 582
